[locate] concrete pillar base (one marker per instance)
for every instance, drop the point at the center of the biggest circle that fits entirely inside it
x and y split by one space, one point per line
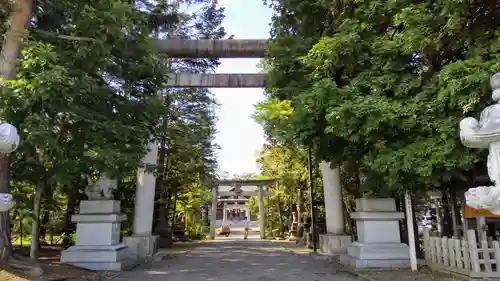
377 255
103 258
379 243
98 252
334 244
142 246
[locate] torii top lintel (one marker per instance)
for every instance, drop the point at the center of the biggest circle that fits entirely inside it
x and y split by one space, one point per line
213 48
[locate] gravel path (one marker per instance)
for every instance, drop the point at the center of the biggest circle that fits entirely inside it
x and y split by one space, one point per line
240 260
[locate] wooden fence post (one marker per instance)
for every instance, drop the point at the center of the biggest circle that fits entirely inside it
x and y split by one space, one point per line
427 246
465 252
496 248
473 253
444 250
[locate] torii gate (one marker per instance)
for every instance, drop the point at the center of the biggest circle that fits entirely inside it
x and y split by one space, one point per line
259 191
114 255
143 242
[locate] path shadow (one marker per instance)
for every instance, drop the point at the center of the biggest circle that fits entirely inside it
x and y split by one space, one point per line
222 261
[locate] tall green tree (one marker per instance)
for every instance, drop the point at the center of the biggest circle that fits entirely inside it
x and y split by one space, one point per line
81 91
383 84
187 152
289 167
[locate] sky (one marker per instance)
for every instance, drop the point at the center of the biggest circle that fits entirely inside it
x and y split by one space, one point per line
239 136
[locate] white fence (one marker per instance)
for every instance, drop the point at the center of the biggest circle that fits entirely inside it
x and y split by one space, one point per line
466 257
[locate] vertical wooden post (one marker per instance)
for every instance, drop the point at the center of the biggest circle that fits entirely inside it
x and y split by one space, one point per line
411 232
496 254
427 246
481 228
473 253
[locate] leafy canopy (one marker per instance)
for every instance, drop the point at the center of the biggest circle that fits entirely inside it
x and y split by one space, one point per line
382 83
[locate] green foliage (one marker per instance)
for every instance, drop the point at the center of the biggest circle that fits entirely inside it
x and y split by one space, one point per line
90 95
187 130
5 7
382 83
290 167
78 112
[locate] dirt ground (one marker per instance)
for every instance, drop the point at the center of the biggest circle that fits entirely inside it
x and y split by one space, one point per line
424 274
49 258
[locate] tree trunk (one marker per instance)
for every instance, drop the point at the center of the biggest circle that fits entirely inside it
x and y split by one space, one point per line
170 236
68 226
11 47
300 219
45 214
5 238
446 221
44 221
21 230
280 219
35 225
161 224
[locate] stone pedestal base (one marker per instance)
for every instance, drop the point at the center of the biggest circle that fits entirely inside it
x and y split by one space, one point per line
377 255
333 244
142 246
98 244
379 244
99 258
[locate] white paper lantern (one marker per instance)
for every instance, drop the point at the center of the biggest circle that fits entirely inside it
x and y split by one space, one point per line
5 202
9 138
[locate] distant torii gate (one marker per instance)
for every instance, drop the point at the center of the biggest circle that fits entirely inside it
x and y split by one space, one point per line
260 192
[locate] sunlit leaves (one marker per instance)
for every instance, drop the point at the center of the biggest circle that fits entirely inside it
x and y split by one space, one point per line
386 82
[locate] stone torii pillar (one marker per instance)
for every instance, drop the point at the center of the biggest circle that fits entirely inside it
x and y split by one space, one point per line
335 241
213 215
224 214
262 213
142 242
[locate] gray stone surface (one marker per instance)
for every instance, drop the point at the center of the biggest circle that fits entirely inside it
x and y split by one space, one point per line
98 244
228 48
332 244
142 246
241 260
195 80
378 244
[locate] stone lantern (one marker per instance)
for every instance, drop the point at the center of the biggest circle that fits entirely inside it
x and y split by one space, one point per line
485 133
